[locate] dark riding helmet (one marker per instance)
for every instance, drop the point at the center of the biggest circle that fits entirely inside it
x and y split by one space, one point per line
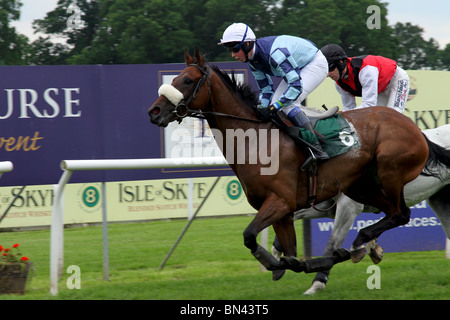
335 54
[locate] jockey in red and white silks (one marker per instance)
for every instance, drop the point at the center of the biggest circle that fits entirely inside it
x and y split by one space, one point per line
378 80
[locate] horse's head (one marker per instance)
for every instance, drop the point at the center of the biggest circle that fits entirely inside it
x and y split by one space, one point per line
189 91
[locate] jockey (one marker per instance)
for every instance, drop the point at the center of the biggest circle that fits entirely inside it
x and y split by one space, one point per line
378 80
298 61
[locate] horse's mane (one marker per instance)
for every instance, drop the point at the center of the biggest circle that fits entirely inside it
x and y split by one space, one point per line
242 90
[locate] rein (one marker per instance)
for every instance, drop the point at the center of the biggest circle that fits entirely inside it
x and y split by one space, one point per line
182 109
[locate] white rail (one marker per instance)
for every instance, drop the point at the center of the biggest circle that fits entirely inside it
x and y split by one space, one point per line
5 166
117 164
69 166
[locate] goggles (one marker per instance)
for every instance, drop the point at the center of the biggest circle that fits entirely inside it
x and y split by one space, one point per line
235 48
332 66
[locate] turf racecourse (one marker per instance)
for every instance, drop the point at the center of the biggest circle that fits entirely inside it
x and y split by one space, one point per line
211 263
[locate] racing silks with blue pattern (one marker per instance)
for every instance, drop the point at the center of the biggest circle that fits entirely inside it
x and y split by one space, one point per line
280 56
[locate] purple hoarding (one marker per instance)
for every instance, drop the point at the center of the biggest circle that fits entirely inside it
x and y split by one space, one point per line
422 233
52 113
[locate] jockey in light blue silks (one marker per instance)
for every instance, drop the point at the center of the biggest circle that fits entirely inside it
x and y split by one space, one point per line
298 61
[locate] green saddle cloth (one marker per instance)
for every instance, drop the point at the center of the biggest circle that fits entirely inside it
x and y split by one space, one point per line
336 135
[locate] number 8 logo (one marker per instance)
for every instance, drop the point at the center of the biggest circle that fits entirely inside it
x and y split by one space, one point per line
234 189
90 196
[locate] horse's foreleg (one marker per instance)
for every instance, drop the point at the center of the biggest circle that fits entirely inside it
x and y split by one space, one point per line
309 213
285 238
273 212
285 232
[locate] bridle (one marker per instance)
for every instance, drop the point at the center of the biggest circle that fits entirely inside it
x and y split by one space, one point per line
182 109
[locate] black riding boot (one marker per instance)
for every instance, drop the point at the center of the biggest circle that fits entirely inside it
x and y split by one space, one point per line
301 120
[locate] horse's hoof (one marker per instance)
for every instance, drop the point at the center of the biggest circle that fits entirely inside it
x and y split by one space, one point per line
278 274
357 254
341 255
316 287
376 253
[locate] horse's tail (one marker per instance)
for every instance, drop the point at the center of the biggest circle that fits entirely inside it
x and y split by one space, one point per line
437 157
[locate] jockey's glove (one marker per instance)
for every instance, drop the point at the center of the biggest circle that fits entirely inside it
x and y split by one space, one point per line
266 113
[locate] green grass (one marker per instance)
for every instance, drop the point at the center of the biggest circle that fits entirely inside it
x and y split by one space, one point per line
211 262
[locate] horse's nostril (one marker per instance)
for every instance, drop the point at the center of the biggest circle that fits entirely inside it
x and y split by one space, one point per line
155 111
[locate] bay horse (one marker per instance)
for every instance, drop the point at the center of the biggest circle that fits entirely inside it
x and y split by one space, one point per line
436 191
392 152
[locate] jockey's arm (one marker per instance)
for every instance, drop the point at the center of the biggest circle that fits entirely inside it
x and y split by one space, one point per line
265 86
348 100
288 68
368 77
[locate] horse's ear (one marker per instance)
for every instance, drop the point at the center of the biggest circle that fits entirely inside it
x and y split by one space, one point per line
187 58
198 57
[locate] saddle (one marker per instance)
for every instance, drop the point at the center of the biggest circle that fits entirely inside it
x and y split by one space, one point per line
314 115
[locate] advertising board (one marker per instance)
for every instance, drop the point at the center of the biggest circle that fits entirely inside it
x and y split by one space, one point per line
422 233
125 201
54 113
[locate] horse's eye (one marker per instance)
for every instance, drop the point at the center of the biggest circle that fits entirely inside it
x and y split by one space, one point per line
188 81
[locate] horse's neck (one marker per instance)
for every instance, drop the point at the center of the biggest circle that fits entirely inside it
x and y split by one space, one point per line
226 102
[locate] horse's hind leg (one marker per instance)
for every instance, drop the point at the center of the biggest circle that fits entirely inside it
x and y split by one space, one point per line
386 196
394 168
395 216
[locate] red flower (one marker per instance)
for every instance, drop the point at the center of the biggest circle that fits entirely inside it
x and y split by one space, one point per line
7 255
